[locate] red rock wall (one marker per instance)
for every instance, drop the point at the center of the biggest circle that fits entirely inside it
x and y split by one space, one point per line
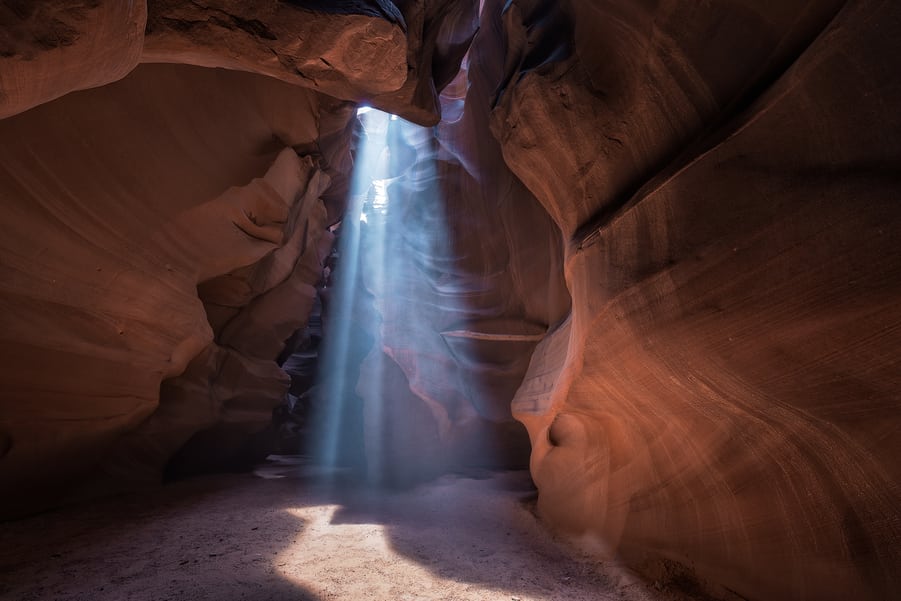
163 232
120 201
48 49
713 185
725 392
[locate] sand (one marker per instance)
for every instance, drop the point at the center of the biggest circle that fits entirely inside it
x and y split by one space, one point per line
280 534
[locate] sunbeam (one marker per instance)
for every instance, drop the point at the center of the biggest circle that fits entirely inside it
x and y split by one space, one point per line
387 368
336 448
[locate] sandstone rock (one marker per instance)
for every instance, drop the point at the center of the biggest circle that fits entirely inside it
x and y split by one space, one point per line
722 392
120 200
243 393
303 228
50 48
682 237
439 33
176 204
394 58
648 81
341 52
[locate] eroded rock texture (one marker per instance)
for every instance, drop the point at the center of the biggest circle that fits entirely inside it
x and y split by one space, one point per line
664 231
338 53
121 201
48 49
164 232
725 393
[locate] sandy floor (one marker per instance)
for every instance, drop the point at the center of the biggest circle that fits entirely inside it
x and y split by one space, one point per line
285 536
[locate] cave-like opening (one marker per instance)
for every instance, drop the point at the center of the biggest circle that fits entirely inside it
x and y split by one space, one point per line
642 249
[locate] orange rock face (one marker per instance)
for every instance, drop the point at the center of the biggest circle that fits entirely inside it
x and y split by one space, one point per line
662 236
48 49
165 230
724 393
343 55
117 213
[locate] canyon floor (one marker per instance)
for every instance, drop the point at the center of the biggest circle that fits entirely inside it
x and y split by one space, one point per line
284 533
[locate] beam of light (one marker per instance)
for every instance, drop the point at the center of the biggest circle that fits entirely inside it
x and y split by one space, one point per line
413 377
403 379
342 339
394 271
374 280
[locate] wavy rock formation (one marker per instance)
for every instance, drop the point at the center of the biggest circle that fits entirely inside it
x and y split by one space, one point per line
724 394
121 200
659 235
165 231
48 49
340 53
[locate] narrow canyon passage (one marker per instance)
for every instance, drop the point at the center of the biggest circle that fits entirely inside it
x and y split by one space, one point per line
517 275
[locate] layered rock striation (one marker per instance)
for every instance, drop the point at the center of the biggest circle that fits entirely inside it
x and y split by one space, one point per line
123 200
724 393
166 224
659 235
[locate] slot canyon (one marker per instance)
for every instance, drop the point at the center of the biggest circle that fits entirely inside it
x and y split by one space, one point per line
450 299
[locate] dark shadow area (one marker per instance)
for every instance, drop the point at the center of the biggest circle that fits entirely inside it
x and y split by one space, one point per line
203 538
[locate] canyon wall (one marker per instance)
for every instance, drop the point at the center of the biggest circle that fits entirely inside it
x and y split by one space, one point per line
660 235
722 403
120 201
168 174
